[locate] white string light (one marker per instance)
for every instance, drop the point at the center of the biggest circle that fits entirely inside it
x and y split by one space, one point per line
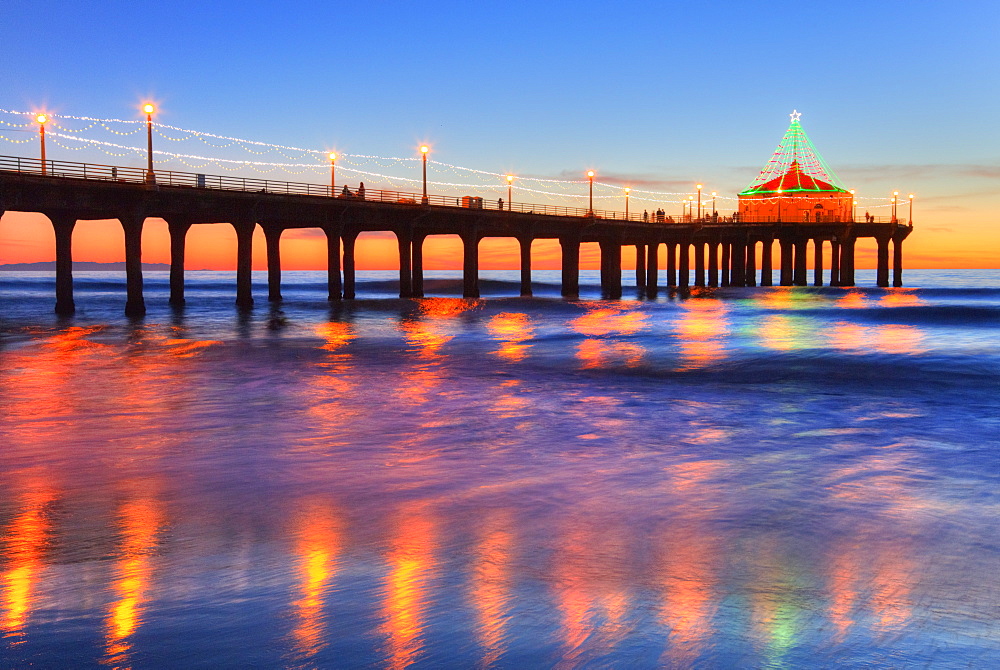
353 164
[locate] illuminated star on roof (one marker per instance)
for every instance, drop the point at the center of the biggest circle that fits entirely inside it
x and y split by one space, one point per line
796 115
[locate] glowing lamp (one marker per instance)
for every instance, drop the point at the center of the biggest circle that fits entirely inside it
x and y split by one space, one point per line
590 173
148 108
510 178
699 187
628 190
911 196
424 149
332 156
41 119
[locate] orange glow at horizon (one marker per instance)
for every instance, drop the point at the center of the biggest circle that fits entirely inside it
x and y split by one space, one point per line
28 238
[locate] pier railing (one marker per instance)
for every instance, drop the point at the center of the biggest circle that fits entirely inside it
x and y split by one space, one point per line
113 173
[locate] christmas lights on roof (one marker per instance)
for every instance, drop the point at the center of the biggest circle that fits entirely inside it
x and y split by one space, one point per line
795 167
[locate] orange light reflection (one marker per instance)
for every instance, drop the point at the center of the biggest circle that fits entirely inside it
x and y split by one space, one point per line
701 330
490 585
511 330
24 540
411 563
317 547
139 520
601 324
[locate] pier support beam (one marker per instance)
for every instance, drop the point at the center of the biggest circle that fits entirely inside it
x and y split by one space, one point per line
699 263
333 283
470 265
244 263
525 245
799 275
611 270
751 268
652 269
178 240
135 304
570 266
882 273
63 226
897 260
418 265
818 262
272 240
640 268
766 261
683 260
834 262
404 242
348 239
738 273
847 260
671 264
713 264
726 261
787 254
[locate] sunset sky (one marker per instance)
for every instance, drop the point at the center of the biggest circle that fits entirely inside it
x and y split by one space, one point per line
660 96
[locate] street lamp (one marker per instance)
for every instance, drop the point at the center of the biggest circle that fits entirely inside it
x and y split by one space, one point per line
854 206
713 205
149 109
42 119
699 201
894 198
510 181
590 178
627 191
779 205
911 209
333 173
423 152
690 207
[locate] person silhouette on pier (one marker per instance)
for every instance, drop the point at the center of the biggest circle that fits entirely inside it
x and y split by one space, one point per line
346 192
361 191
645 216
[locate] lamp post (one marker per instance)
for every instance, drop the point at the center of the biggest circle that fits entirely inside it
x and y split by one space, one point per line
510 182
911 209
627 191
690 206
149 109
42 119
590 178
895 195
713 205
854 206
423 152
333 174
779 205
699 201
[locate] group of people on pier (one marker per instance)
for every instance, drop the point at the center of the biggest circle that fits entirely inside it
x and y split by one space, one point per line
359 194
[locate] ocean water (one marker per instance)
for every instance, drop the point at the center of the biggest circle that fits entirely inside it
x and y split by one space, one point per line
729 478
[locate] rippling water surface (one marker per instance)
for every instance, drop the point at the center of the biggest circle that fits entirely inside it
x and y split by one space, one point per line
781 477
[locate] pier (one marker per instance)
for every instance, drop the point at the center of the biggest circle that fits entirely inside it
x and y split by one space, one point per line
700 251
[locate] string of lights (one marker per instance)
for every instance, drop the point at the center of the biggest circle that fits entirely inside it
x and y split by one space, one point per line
300 161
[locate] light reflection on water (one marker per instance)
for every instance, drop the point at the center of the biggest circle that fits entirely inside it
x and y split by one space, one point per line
462 483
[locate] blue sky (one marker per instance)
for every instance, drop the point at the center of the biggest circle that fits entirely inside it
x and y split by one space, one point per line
667 92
